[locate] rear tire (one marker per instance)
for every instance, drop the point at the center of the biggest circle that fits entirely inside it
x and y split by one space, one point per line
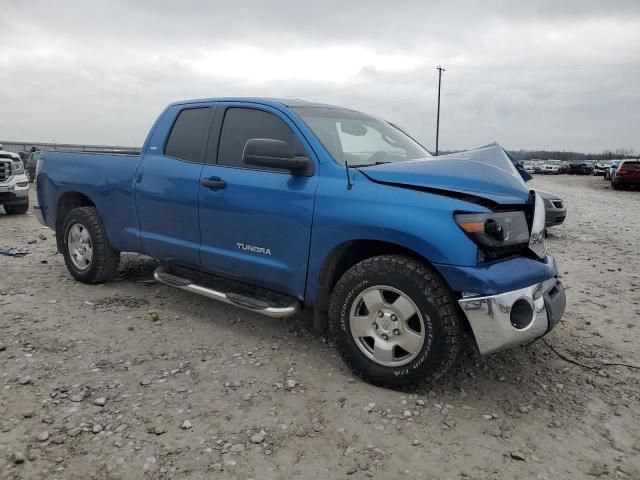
399 284
19 209
83 229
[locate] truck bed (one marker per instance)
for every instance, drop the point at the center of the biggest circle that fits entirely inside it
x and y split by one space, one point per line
106 178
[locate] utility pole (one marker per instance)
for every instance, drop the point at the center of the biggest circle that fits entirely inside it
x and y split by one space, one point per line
440 70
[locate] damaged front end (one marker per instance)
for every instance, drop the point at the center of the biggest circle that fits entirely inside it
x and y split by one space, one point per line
512 296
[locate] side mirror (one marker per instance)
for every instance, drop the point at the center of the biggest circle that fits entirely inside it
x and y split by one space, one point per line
270 153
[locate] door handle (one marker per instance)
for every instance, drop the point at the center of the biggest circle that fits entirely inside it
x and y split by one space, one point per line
214 183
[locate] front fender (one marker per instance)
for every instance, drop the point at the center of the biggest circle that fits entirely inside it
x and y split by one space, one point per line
417 221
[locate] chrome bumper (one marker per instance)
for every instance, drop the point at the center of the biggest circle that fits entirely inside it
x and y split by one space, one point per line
17 185
514 318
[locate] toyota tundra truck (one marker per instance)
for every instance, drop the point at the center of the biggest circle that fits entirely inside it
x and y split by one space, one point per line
275 206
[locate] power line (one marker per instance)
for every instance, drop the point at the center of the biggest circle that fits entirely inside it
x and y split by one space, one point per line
459 68
544 67
358 83
544 94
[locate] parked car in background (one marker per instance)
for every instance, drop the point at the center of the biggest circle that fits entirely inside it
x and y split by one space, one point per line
608 173
627 174
601 167
529 166
552 166
30 165
581 168
14 186
554 208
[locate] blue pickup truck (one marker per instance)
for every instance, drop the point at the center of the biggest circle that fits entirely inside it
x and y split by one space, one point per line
279 205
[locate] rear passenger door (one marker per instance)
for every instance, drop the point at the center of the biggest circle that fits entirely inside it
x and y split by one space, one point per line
256 224
167 184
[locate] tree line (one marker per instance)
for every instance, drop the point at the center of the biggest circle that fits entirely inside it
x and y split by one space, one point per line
619 153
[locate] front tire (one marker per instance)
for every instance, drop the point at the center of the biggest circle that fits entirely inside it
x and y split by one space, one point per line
17 209
89 256
395 323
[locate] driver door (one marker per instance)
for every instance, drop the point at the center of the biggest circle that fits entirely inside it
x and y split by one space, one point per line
255 222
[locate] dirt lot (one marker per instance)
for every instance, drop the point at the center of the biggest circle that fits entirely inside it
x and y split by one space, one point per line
136 380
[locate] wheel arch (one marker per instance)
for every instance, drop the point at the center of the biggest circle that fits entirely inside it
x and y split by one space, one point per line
67 202
346 255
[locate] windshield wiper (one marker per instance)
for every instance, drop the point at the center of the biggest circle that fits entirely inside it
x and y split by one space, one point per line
367 164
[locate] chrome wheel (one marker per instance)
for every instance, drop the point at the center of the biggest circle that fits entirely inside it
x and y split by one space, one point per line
387 326
79 246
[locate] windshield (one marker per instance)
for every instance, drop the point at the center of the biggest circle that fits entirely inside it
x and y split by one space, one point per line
359 139
554 162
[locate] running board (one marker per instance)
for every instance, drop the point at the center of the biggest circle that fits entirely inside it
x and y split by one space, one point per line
252 304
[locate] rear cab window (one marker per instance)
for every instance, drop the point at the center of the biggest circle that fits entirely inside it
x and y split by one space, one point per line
187 135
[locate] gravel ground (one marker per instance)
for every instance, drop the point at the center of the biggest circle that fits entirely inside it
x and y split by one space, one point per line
132 379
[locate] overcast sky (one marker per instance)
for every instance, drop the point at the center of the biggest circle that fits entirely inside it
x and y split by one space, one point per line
536 74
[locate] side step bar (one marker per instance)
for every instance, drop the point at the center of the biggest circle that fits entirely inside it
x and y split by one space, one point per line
242 301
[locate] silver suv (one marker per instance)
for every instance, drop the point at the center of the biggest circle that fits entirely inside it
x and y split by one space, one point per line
14 184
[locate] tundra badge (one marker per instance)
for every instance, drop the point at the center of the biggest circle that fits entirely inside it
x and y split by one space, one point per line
253 248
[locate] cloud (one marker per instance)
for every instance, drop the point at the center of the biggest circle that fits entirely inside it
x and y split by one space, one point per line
536 75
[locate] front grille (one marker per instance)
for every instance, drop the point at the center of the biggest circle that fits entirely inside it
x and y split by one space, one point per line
557 203
5 170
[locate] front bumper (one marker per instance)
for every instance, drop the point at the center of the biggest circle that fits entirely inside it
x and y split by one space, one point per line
514 318
555 216
14 190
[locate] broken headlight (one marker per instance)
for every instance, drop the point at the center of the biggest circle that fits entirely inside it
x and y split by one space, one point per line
494 230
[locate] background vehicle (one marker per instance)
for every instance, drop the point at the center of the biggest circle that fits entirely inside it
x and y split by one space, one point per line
529 166
30 165
601 167
298 204
581 168
555 209
551 166
608 173
14 186
627 174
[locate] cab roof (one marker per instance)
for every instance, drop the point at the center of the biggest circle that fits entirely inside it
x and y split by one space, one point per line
286 102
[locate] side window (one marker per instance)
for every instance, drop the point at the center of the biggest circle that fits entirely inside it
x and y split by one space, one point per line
186 135
242 124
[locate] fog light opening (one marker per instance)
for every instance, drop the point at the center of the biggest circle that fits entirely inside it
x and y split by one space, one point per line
521 314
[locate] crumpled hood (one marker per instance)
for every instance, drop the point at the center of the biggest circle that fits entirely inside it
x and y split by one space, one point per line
486 173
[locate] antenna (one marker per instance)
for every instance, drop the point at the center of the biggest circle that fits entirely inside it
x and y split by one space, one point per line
346 168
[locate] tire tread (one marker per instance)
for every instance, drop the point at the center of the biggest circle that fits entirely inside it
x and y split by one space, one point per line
105 258
436 292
